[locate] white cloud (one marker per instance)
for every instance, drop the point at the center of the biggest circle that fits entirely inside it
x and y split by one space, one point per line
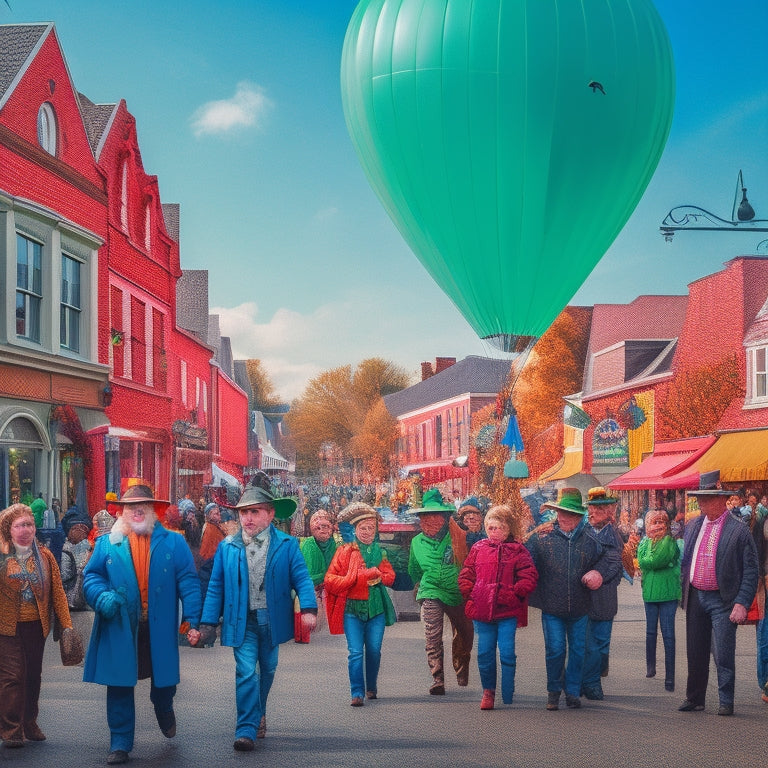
245 109
296 347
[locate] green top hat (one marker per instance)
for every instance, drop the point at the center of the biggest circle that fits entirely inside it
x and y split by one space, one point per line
432 502
568 501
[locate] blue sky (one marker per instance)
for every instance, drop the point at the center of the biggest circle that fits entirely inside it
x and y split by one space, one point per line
238 111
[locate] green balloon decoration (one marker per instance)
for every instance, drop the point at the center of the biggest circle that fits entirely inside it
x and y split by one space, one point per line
509 140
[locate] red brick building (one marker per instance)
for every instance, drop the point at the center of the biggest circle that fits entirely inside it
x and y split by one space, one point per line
434 416
637 355
53 234
99 383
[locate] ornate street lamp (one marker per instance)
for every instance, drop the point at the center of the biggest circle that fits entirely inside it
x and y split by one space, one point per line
691 217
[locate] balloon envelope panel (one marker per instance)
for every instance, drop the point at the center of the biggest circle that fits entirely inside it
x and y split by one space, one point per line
509 140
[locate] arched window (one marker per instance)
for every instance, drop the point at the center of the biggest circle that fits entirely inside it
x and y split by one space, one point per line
124 198
148 226
46 128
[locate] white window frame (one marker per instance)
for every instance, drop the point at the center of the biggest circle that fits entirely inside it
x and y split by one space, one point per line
73 310
183 376
47 128
58 237
757 373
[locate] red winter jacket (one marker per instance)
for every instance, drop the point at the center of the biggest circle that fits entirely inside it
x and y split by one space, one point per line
496 580
346 578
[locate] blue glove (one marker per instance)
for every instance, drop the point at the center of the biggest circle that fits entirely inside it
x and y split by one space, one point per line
108 603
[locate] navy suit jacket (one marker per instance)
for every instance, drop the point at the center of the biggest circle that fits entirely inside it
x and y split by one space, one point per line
736 565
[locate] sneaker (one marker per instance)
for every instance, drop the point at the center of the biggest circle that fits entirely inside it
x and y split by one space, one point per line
573 702
488 699
553 700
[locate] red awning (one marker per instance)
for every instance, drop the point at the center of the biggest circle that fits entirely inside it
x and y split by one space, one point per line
668 467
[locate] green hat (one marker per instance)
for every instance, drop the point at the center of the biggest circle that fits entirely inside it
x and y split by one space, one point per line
569 500
38 507
432 502
253 495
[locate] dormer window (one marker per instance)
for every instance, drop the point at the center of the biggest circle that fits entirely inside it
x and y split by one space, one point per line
46 128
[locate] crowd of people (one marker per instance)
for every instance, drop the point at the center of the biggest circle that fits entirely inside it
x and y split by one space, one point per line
151 581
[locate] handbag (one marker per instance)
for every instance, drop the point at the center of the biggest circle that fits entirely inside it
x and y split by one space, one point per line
71 647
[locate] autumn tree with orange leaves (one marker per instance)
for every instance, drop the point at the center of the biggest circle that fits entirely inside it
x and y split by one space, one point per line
554 370
342 407
697 399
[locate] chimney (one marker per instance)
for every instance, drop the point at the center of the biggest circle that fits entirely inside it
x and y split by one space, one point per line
426 371
441 363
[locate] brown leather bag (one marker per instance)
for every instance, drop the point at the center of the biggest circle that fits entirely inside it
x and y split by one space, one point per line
71 647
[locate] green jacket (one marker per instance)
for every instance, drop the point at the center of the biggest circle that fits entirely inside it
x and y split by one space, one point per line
660 563
433 567
317 560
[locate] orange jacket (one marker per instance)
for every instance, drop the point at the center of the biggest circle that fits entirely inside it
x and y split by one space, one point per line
53 594
346 578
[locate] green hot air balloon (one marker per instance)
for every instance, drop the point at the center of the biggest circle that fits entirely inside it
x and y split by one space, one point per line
509 140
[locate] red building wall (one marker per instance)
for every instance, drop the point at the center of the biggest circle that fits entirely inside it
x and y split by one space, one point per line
232 443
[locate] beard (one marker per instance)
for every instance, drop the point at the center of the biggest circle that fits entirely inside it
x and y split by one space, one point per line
141 527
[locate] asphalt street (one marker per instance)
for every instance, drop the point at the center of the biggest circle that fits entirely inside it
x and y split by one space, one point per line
310 722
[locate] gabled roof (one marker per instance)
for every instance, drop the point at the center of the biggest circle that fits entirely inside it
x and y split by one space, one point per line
472 375
97 119
18 44
646 317
647 328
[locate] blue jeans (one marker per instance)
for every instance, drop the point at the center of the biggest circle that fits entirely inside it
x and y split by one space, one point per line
708 626
364 639
557 632
255 665
490 634
598 643
661 614
121 712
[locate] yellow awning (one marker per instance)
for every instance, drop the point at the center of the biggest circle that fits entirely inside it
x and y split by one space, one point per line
568 466
740 456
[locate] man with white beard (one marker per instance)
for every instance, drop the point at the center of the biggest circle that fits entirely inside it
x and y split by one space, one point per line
134 581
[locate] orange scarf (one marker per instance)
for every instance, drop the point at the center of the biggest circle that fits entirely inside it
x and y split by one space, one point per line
140 556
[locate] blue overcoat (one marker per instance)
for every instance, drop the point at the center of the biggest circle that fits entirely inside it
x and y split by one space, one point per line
112 651
227 596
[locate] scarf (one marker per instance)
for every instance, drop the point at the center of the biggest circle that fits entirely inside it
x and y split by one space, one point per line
139 546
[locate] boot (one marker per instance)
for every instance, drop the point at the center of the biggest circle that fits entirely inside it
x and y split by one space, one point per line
650 655
488 698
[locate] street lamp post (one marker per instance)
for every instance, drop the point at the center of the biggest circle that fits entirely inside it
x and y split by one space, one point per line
692 217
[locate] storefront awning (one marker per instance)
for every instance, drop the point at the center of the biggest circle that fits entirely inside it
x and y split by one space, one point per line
740 456
220 474
271 459
669 467
568 466
91 418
